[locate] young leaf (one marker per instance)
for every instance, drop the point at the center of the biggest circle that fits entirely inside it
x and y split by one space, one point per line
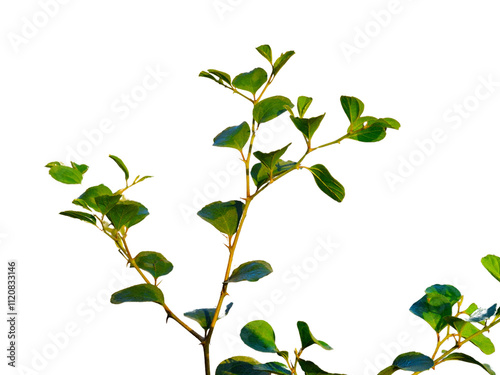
259 335
433 309
250 271
143 178
154 263
270 159
239 365
121 164
52 164
138 293
473 307
224 216
353 107
127 213
467 358
310 368
307 339
266 51
270 108
482 314
221 75
393 124
82 168
413 361
281 61
448 291
273 368
303 103
89 218
251 81
327 183
208 75
105 203
234 136
66 175
261 174
91 193
204 317
492 264
307 126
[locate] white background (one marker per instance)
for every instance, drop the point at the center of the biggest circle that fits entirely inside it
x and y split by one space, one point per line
65 69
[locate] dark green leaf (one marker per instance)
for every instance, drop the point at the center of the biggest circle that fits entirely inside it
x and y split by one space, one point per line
482 314
239 365
281 61
208 75
273 368
66 175
82 168
80 215
456 323
303 103
224 216
81 203
127 213
353 107
106 202
492 264
221 75
310 368
433 309
204 317
91 193
327 183
393 124
138 293
413 361
270 159
259 335
251 81
250 271
234 136
121 164
307 339
448 291
266 51
154 263
467 358
270 108
307 126
260 173
373 133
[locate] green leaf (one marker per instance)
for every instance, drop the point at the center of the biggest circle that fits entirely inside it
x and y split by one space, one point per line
310 368
273 368
307 339
473 307
307 126
85 216
457 323
122 165
204 317
466 329
224 216
373 133
266 51
327 183
250 271
261 174
221 75
492 264
143 178
303 103
281 61
467 358
259 335
138 293
234 136
82 168
393 124
52 164
239 365
251 81
208 75
270 159
360 123
353 107
66 175
433 309
81 203
105 203
482 314
448 291
91 193
154 263
413 361
270 108
127 213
